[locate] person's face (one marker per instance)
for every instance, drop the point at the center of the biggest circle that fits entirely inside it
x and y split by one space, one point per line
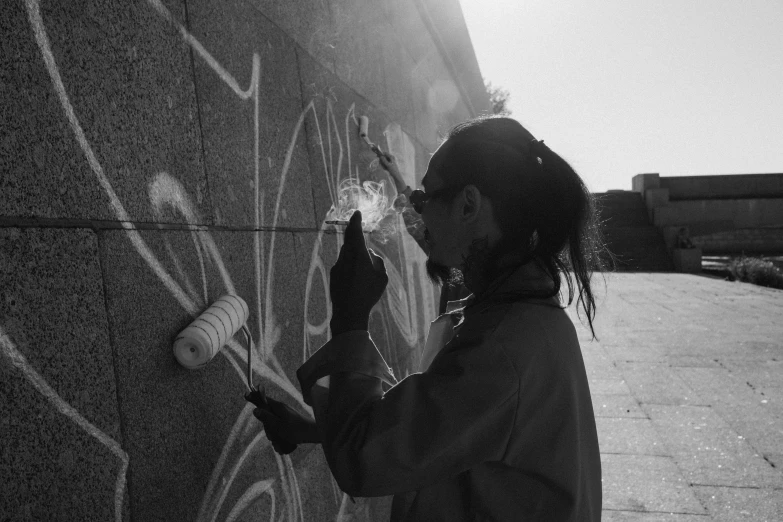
441 233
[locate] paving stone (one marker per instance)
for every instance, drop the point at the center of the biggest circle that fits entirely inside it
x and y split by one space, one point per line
602 367
608 387
653 383
611 515
628 435
616 406
722 350
633 350
759 373
707 450
646 483
736 504
742 407
692 361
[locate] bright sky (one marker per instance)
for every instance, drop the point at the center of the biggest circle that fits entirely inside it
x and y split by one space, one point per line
622 87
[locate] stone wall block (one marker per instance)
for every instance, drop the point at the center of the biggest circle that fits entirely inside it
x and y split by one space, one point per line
126 79
252 118
62 454
642 182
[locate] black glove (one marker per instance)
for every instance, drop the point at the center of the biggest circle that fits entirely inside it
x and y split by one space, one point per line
356 281
285 427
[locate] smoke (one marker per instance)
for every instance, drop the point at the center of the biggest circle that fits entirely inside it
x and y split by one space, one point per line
379 212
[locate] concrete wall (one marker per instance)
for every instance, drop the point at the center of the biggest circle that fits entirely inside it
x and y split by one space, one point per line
755 241
723 214
726 186
743 213
156 155
739 186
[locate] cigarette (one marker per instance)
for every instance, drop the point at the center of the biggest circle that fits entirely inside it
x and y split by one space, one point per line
336 222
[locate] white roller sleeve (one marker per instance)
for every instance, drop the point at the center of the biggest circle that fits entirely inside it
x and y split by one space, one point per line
364 124
197 344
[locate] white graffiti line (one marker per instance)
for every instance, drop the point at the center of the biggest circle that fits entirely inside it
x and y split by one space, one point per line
243 421
263 369
272 328
351 116
316 263
331 123
251 92
189 288
259 205
258 439
41 37
251 495
163 190
332 190
295 486
196 45
343 506
294 498
16 358
258 244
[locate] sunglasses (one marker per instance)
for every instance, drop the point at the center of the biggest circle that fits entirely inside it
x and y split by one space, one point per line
418 197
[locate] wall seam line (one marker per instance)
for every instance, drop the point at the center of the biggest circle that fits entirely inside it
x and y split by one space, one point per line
208 192
115 362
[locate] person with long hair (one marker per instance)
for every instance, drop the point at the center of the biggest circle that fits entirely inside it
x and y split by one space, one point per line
498 424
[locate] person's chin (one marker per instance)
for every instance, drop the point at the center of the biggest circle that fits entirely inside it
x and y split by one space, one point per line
441 274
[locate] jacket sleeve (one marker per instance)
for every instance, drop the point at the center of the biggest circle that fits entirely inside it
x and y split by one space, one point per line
352 351
429 427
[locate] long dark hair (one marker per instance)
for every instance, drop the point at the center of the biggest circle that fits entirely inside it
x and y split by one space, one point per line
542 206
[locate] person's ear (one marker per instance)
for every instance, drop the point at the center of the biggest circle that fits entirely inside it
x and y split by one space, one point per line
471 203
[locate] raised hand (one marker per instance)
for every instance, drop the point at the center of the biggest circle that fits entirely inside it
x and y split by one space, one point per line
357 280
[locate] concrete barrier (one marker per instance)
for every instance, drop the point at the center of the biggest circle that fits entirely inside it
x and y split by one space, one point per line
739 213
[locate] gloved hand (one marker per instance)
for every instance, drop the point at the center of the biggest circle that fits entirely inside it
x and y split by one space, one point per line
285 427
356 281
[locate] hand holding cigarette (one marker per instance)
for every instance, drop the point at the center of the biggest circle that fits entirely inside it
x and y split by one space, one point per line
356 281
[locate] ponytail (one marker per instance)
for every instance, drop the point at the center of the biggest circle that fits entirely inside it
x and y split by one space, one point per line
543 208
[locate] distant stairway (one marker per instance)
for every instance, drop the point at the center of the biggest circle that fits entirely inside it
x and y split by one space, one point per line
637 245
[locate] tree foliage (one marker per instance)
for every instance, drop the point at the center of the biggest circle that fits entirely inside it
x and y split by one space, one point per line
498 97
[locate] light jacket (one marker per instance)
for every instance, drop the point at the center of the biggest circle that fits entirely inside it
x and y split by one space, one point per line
499 426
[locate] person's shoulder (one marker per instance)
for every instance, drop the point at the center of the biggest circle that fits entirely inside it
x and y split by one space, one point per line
532 313
534 329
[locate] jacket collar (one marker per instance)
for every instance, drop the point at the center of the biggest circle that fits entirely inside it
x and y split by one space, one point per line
527 283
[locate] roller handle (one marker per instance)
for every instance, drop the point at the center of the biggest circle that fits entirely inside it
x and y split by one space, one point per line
364 128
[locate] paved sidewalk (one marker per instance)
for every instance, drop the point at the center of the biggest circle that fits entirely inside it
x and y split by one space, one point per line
687 386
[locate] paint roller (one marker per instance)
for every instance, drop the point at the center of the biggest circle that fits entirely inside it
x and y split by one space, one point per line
197 344
364 125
